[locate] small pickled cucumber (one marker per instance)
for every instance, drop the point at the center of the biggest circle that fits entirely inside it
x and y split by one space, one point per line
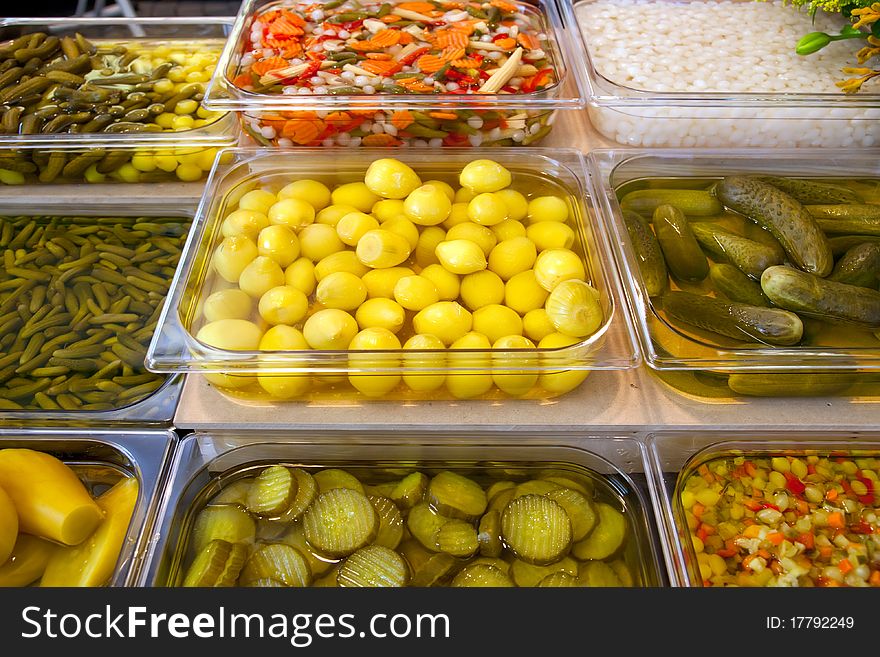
373 566
868 226
340 521
223 521
811 191
844 212
410 490
458 538
648 253
424 523
691 202
536 529
437 568
217 564
489 534
735 320
680 248
277 561
606 538
598 574
306 491
813 296
860 266
335 478
271 491
481 575
751 257
455 496
778 212
527 575
579 509
559 580
390 522
840 244
800 384
737 286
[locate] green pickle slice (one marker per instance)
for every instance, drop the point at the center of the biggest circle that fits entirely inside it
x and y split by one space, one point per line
234 493
340 521
266 583
489 534
456 496
335 478
217 564
536 529
598 574
606 539
373 566
390 522
435 570
277 561
498 487
457 538
580 511
295 537
424 524
559 580
410 490
306 492
226 522
271 491
535 487
526 574
481 575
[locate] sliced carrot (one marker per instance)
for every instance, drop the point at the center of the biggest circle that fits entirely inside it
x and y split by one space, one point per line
381 139
874 579
506 7
285 27
444 116
465 63
402 119
452 53
242 80
835 520
831 495
406 38
391 18
381 68
418 7
752 531
464 27
379 56
366 46
264 66
386 38
303 131
337 118
449 38
446 4
528 41
430 63
507 44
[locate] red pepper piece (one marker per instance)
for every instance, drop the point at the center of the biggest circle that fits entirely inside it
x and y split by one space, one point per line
413 56
767 505
807 539
793 484
861 527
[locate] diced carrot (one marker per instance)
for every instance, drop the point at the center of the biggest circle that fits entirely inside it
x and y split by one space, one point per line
807 539
528 41
390 18
763 553
506 7
381 139
303 131
845 566
430 63
826 551
242 80
265 65
752 531
452 53
831 495
402 119
698 509
802 507
337 118
386 38
292 50
443 116
507 44
835 519
776 537
418 7
874 579
751 469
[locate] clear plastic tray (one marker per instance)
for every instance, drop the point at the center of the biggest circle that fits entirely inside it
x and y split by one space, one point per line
101 457
149 408
699 362
673 456
712 109
175 349
206 461
495 118
34 158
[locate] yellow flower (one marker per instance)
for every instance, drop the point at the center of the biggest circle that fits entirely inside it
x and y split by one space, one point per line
852 85
867 15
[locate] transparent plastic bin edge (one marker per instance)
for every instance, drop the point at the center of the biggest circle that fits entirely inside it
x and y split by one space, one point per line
669 452
202 455
144 453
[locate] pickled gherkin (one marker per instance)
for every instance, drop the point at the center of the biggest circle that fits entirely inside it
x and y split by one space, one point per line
539 529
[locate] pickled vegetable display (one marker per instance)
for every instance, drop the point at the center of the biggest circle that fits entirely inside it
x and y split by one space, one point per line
782 519
281 525
79 301
82 88
757 262
438 48
459 286
61 525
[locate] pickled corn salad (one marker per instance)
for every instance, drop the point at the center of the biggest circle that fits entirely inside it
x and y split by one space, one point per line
480 278
785 520
284 526
400 48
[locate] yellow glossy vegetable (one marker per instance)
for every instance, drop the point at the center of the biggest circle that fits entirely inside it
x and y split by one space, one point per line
49 498
92 562
8 525
27 562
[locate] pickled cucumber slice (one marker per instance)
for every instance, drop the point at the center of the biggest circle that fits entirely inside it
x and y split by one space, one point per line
424 523
497 487
581 485
598 574
536 529
606 538
217 564
328 580
500 564
410 490
226 522
234 493
580 511
296 538
559 580
267 583
373 566
271 491
535 487
306 492
415 553
483 576
436 570
456 496
526 574
381 490
390 522
457 538
489 534
623 574
334 478
340 521
277 561
502 499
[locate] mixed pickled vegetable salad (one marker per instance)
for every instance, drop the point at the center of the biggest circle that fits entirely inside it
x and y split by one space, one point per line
287 526
784 520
